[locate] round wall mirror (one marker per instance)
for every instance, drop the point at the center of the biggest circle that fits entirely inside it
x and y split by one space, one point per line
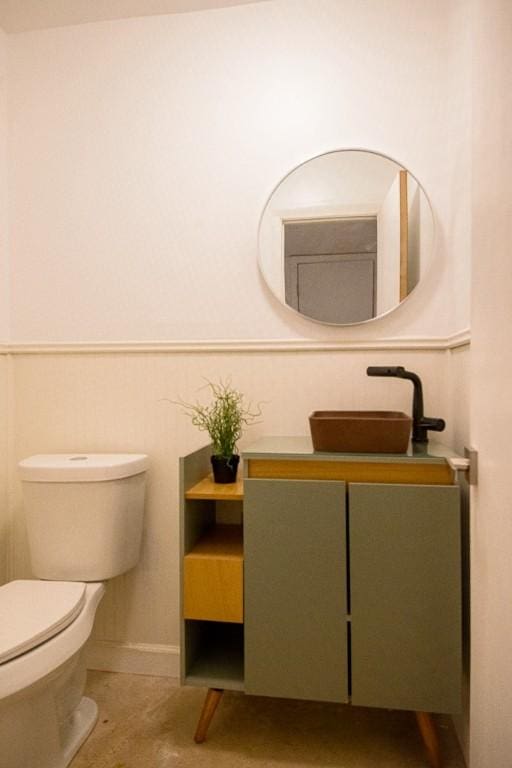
345 237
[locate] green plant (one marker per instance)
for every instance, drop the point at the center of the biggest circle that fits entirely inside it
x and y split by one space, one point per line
224 418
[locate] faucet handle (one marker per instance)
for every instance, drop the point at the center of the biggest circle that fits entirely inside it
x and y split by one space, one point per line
385 370
437 425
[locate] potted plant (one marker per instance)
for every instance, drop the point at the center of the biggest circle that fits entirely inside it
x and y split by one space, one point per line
224 418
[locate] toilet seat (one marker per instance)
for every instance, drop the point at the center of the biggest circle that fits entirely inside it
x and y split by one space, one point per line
32 612
28 668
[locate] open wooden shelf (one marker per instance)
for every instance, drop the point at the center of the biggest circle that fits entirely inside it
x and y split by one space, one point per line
218 661
222 542
206 489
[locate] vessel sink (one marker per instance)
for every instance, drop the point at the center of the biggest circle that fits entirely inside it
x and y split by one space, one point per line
360 431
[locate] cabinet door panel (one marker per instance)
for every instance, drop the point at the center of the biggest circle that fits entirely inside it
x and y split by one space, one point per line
295 589
405 587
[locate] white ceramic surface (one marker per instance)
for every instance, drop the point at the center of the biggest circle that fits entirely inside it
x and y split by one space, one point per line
32 612
44 717
81 467
83 531
84 518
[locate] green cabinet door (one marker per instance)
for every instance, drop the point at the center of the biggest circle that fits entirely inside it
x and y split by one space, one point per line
295 589
405 596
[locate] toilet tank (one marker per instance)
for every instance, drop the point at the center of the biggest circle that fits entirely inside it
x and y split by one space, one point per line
84 513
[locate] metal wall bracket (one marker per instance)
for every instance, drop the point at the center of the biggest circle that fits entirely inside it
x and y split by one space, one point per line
467 464
472 455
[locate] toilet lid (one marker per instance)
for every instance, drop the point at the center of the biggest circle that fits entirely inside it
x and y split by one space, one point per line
34 611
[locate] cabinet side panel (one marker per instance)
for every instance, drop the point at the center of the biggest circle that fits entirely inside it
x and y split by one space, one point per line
295 589
405 589
194 467
194 518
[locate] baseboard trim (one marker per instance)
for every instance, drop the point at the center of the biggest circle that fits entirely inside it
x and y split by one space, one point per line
134 658
458 339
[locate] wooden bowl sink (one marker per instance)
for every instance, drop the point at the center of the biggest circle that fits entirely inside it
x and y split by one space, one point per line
360 431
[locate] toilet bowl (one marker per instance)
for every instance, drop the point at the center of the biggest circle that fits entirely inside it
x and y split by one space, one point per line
84 525
43 716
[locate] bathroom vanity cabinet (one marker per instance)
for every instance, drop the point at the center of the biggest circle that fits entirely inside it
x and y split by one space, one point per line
330 577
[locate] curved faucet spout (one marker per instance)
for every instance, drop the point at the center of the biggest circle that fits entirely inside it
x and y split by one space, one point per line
420 423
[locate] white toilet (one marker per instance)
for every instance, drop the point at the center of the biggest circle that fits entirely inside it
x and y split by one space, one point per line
84 517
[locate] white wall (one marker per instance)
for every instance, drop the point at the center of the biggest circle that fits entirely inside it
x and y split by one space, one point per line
4 304
491 381
458 368
143 151
5 515
4 276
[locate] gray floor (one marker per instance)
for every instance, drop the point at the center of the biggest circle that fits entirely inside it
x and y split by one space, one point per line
149 722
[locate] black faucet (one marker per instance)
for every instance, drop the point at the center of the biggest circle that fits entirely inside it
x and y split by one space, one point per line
420 423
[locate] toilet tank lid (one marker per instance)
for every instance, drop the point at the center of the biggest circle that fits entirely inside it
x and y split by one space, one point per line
32 612
81 467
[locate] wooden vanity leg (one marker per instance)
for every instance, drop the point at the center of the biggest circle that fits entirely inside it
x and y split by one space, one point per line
429 736
211 702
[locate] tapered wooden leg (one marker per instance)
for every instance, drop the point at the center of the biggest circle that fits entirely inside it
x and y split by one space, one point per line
211 703
429 736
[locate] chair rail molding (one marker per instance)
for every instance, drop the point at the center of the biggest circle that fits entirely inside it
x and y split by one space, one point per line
459 339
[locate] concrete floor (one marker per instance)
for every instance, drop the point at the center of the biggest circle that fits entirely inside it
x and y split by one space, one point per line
149 722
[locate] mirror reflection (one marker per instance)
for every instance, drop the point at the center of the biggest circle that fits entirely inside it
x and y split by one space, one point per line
345 237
